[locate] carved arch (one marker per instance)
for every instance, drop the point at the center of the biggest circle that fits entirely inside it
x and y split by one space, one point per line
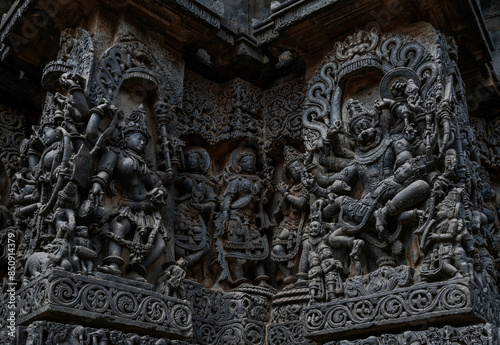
134 60
76 56
361 52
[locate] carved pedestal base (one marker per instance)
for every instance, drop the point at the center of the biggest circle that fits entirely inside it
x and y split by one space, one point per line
481 334
286 327
58 294
235 317
455 301
53 333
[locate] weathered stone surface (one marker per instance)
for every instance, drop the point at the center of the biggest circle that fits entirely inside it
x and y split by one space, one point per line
101 301
256 172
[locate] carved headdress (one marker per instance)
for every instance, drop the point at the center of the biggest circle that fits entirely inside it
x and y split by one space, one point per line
134 122
453 202
67 196
238 154
357 112
291 155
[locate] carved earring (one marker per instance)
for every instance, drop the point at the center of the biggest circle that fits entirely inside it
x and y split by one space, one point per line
238 169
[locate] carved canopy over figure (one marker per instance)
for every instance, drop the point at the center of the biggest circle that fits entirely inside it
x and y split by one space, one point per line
140 191
241 220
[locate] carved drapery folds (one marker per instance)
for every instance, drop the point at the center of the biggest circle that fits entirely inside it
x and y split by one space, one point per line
224 213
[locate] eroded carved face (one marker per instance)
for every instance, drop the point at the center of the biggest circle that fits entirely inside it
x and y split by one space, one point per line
136 141
247 164
193 162
450 160
296 170
315 229
364 131
403 173
49 135
444 212
83 232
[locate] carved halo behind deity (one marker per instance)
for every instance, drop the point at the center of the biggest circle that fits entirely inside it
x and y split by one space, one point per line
204 157
399 74
238 154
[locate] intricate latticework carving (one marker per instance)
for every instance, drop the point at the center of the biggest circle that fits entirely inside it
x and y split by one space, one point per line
134 60
238 316
221 112
76 56
283 106
11 137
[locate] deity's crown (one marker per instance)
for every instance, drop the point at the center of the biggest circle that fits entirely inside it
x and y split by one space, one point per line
324 250
357 111
291 155
313 257
135 122
453 200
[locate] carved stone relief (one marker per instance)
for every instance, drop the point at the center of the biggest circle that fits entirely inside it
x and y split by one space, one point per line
170 209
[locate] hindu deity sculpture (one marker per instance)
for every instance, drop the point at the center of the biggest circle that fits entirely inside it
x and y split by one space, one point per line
242 220
293 208
137 223
443 241
195 203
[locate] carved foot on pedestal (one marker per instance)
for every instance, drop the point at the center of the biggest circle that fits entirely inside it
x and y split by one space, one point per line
109 270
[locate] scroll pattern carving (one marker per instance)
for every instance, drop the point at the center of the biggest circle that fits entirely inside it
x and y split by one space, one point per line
92 297
11 137
225 318
391 307
43 332
283 108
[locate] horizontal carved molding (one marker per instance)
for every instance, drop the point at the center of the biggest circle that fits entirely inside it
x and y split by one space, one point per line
103 302
433 302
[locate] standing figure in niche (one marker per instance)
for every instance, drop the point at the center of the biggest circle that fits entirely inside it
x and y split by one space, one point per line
331 269
315 277
52 172
63 217
241 221
83 251
137 225
443 243
287 237
195 203
315 235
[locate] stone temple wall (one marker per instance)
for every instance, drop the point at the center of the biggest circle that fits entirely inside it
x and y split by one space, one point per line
349 197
